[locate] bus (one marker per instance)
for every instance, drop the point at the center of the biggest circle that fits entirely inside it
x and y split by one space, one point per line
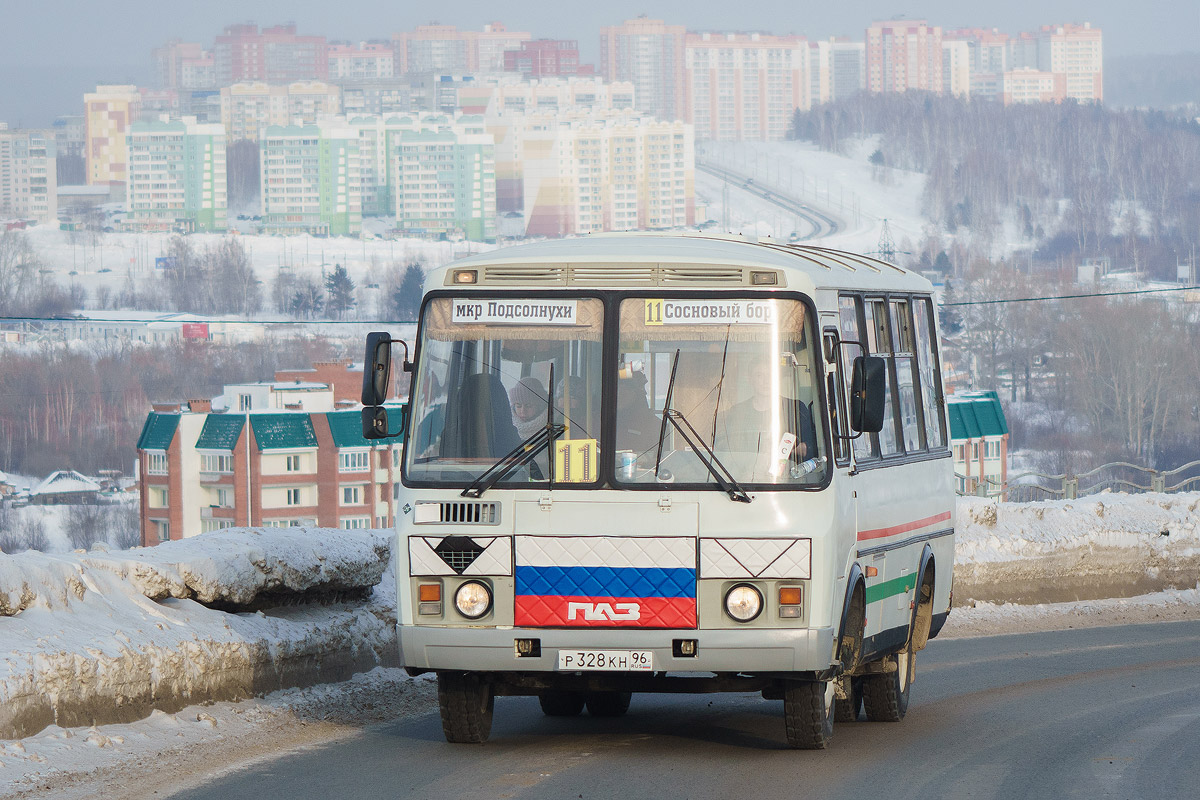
670 463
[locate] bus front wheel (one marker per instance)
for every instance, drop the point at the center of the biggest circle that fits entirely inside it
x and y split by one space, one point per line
885 695
466 703
808 714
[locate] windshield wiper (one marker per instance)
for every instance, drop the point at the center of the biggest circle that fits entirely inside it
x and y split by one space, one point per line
720 473
541 439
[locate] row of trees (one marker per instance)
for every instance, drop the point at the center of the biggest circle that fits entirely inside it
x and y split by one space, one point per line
1085 175
116 525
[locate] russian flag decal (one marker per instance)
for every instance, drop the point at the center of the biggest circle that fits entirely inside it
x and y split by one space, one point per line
605 582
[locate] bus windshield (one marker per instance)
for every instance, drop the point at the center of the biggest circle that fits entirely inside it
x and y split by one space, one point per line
745 380
491 370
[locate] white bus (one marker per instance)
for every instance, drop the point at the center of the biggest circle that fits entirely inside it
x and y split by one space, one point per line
671 463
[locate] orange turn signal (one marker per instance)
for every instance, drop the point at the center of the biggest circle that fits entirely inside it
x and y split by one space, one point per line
430 592
790 595
872 572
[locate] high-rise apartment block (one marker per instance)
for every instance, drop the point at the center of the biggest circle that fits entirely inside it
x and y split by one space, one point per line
184 65
176 176
275 454
956 68
444 48
586 171
546 58
649 54
1076 51
246 108
744 86
904 55
108 113
559 94
28 174
1033 86
275 55
364 61
309 179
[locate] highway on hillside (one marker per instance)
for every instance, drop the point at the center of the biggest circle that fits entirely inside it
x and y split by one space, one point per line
1094 713
822 224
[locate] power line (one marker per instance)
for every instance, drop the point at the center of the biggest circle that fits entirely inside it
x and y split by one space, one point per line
1068 296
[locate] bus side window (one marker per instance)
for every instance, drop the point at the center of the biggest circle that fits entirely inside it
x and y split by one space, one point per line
865 446
930 372
879 333
837 402
912 423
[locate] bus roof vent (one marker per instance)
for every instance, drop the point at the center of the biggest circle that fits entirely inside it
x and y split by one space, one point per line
614 275
673 275
526 273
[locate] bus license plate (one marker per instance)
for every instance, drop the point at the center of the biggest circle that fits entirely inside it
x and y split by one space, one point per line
610 660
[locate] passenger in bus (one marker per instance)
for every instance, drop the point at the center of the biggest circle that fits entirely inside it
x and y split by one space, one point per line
637 426
745 426
528 399
572 408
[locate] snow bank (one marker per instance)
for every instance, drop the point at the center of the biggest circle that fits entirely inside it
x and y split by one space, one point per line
1105 545
110 637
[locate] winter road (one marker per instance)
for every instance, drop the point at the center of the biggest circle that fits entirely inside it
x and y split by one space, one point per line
1096 713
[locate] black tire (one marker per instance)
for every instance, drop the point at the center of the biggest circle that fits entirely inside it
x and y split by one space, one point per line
885 695
466 703
808 714
847 710
608 704
561 704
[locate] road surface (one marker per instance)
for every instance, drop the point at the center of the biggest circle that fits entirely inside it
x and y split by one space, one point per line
1095 713
822 223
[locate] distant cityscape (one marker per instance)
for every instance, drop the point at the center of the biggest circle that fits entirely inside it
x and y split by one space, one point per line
477 135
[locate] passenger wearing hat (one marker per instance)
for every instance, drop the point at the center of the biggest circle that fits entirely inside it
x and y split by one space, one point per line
528 400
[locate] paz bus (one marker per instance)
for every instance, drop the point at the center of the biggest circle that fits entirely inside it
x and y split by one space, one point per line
670 463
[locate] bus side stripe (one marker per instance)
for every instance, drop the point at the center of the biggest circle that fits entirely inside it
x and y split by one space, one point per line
879 533
886 589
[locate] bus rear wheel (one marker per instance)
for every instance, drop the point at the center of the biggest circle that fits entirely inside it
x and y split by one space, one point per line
561 704
885 695
466 704
808 714
608 704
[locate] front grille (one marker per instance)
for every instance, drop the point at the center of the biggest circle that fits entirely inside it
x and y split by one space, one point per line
459 513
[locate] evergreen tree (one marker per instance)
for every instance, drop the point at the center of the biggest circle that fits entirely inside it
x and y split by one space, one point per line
339 291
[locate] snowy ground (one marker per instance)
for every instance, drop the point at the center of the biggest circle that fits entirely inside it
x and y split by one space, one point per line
84 615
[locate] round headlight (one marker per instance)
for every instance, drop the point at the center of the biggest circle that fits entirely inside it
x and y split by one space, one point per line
472 599
743 602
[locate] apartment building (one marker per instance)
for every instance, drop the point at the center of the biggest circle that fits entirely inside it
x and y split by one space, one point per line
1076 51
649 54
184 65
744 86
309 179
542 58
587 171
108 113
1033 86
275 55
444 48
246 108
377 97
558 94
276 454
28 174
176 176
978 439
364 61
904 55
956 68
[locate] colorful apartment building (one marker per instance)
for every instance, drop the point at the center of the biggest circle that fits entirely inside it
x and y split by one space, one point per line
247 108
978 440
201 470
544 58
309 179
444 48
587 171
1077 52
956 68
364 61
243 53
649 54
744 86
108 113
28 174
177 179
903 55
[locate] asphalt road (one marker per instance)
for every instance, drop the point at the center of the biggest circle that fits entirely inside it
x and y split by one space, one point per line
1095 713
822 224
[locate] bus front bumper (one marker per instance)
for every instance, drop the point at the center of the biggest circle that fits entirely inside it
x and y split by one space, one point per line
495 650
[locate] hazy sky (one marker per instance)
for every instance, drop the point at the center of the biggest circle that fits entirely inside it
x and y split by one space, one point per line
51 50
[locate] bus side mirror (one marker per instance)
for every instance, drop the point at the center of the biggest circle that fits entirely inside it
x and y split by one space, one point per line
375 422
868 387
377 368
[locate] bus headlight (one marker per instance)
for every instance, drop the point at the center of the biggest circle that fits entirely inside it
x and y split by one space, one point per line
473 599
743 602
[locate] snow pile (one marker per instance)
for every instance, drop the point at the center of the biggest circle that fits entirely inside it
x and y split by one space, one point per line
1105 545
110 637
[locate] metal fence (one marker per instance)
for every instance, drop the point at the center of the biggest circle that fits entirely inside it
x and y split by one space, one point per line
1119 476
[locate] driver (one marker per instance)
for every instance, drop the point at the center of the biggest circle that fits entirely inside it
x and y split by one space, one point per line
746 426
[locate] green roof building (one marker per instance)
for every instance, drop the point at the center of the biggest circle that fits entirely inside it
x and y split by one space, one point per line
979 440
